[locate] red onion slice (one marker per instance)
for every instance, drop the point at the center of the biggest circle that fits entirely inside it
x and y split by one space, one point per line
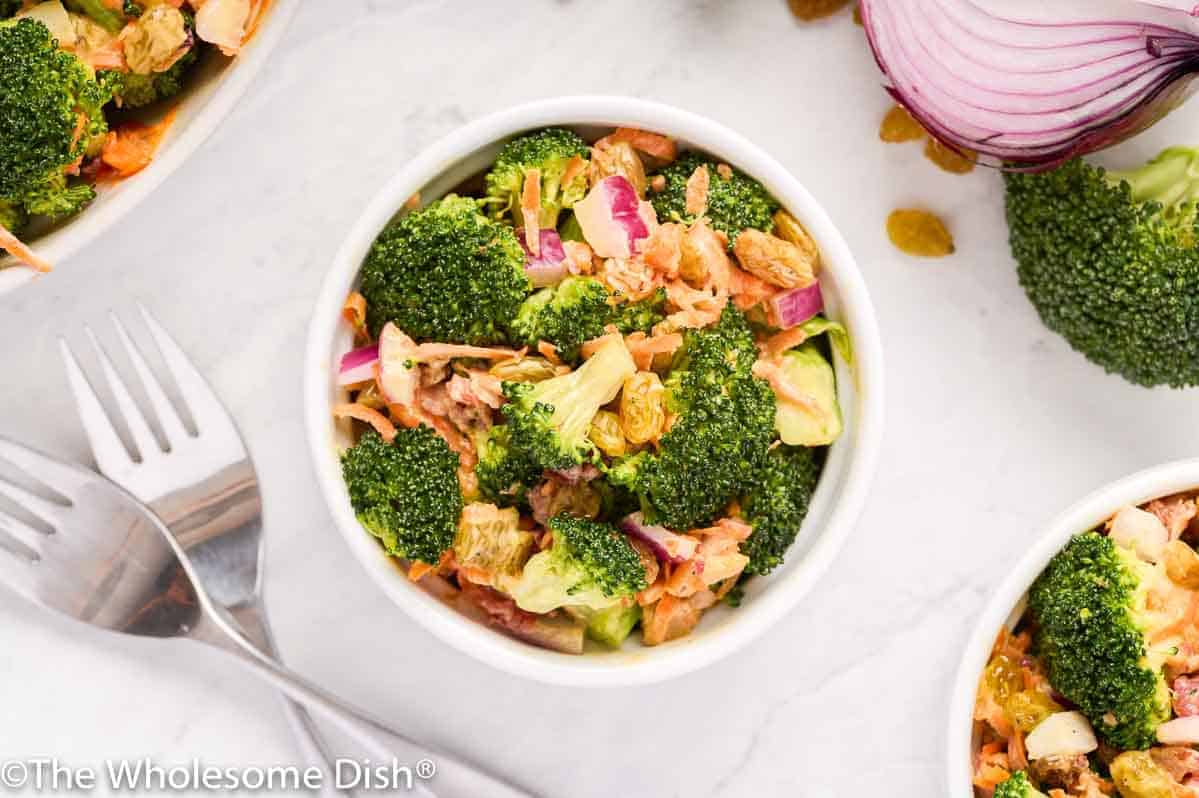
614 218
667 545
550 266
1034 83
358 365
794 307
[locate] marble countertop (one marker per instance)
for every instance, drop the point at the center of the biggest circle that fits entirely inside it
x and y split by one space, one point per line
994 424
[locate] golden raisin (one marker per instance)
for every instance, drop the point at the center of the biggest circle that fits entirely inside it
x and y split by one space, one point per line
1003 678
607 434
898 125
917 232
1028 708
958 163
642 408
808 10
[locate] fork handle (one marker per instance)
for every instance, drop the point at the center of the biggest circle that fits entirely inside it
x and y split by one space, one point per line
454 778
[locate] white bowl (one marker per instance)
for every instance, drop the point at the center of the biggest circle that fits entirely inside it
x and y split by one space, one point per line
842 488
1008 602
208 98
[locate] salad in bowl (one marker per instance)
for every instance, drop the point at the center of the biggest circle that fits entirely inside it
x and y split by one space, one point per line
1092 689
592 389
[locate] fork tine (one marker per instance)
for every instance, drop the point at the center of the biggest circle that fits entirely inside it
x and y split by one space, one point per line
198 395
54 474
48 511
25 535
110 453
172 426
139 430
18 572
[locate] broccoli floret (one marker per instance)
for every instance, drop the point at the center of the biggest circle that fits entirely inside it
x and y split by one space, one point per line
549 421
51 115
504 474
640 315
135 91
776 506
550 151
1017 786
590 564
577 310
734 203
1110 262
722 433
445 273
12 217
1090 633
405 492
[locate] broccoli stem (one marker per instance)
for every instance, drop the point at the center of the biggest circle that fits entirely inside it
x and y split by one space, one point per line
1172 178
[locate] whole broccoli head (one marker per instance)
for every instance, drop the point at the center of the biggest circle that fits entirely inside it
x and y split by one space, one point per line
776 506
445 273
549 151
719 441
590 564
549 421
405 492
1090 633
505 474
1110 262
577 310
1018 786
734 204
51 115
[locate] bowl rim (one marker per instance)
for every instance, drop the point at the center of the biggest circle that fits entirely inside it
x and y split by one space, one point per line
63 243
1098 506
486 644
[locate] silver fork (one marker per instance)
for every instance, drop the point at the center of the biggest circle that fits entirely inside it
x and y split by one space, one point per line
107 560
204 488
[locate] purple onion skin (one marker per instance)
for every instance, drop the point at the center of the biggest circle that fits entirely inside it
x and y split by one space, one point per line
653 536
797 306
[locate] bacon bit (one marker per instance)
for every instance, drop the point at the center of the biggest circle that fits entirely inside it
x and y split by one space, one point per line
781 342
574 168
419 570
434 351
697 192
549 352
664 250
731 528
725 171
655 145
657 184
130 147
669 619
354 310
1016 753
19 250
530 210
770 371
1175 512
617 158
630 276
748 289
488 387
579 257
684 579
413 202
644 349
382 425
697 309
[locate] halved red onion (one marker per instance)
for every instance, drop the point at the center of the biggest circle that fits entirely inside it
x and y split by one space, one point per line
666 545
358 365
1034 83
548 267
794 307
614 218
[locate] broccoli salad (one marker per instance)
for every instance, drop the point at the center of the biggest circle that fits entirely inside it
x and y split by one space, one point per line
73 76
1096 690
591 391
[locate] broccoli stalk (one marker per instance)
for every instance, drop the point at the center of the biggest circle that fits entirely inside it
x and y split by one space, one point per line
406 492
1110 262
590 564
550 420
1088 605
1018 786
550 151
734 203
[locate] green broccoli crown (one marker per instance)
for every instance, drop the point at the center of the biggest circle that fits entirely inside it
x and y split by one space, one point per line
405 492
603 557
1089 636
445 273
505 474
550 420
722 433
1018 786
137 91
1110 262
45 95
640 315
776 506
734 204
566 315
549 151
12 217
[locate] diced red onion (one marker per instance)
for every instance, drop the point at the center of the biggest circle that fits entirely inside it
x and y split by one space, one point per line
358 365
666 545
577 474
794 307
614 218
550 266
1034 84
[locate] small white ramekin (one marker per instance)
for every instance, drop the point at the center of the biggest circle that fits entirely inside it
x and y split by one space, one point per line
847 474
1007 603
205 103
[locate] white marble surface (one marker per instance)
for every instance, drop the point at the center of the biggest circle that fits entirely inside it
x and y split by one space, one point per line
993 423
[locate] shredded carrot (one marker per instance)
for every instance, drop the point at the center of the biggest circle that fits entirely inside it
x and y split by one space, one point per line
748 289
130 147
413 202
549 352
770 371
354 310
644 349
684 581
530 210
725 171
435 351
574 168
369 415
731 528
697 192
419 570
1016 753
780 342
21 251
654 144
